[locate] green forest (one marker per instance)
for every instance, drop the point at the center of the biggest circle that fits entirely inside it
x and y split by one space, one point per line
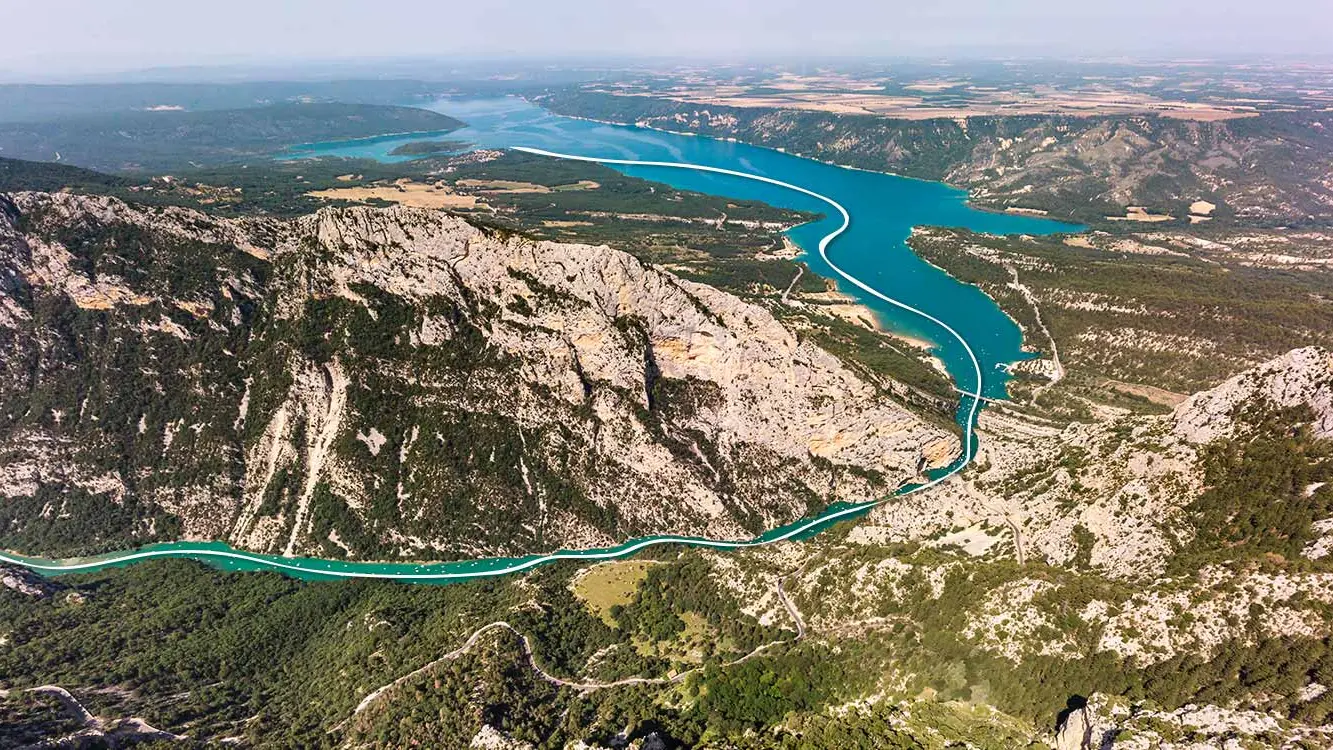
174 139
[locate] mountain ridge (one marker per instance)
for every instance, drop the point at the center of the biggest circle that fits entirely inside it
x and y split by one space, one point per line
324 339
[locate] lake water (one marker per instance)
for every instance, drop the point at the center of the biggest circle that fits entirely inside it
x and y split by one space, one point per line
884 208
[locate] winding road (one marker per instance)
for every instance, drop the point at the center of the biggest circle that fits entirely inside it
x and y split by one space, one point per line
629 549
379 692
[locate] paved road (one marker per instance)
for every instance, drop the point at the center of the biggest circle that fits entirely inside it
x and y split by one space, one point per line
477 634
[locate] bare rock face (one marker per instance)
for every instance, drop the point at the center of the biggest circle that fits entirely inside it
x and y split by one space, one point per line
1076 732
1112 723
26 582
676 407
1107 496
490 738
379 383
1299 377
773 388
1111 495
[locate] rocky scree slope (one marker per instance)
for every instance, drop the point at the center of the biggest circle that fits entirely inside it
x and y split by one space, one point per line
398 382
1124 495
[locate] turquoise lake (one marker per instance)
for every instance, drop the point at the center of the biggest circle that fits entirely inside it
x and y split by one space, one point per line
883 209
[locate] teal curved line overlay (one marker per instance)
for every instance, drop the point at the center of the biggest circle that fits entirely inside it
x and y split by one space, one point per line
321 568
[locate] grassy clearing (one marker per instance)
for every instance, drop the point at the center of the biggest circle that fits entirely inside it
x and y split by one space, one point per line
601 587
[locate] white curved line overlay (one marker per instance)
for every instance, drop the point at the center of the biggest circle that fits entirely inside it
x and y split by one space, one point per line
59 567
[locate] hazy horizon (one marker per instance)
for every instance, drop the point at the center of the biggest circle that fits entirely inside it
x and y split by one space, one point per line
94 39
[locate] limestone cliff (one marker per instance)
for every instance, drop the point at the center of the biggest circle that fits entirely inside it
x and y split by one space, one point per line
1302 377
1114 723
1110 495
377 383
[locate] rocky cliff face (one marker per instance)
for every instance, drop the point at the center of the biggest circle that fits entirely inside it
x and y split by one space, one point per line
1114 495
376 383
1113 723
26 582
1302 377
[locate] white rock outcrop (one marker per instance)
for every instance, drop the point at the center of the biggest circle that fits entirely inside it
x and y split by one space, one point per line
1299 377
1119 486
638 402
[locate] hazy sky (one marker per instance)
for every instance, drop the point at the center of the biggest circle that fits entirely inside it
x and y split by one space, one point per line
62 36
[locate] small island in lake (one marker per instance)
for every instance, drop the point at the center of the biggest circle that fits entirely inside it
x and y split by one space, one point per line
424 148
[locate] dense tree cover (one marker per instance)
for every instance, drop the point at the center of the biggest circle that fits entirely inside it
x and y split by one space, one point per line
1267 312
762 691
1275 151
687 586
295 656
28 718
565 634
917 148
1265 489
175 139
18 174
493 686
426 148
72 520
281 661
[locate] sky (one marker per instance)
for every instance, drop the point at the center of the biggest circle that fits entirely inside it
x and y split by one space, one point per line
70 37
